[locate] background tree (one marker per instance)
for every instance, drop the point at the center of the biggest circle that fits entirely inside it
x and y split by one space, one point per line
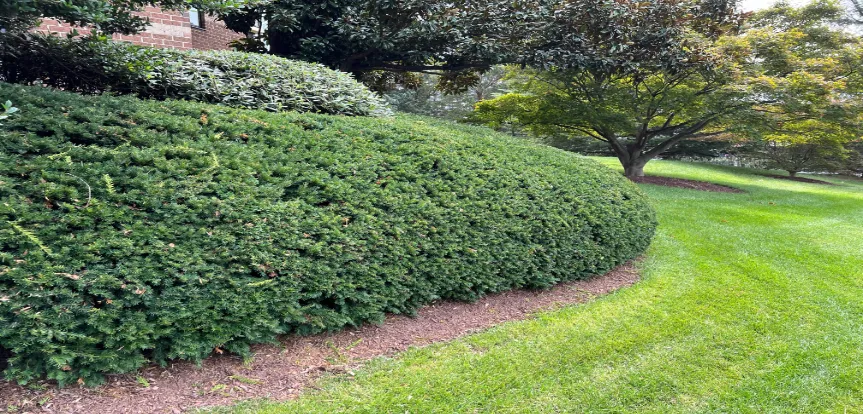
640 106
400 36
789 73
638 116
854 162
806 73
813 146
456 39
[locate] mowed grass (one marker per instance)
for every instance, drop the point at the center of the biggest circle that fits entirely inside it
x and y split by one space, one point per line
749 303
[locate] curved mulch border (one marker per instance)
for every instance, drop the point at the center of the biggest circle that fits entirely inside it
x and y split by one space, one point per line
281 372
684 183
799 179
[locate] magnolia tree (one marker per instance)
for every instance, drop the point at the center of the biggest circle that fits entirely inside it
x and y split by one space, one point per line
457 39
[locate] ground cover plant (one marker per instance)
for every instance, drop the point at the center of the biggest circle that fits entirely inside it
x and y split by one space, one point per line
135 231
244 80
748 303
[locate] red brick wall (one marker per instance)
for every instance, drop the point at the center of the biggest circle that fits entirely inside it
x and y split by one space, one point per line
214 35
168 29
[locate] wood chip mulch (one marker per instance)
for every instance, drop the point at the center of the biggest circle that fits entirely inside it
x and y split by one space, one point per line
799 179
281 371
684 183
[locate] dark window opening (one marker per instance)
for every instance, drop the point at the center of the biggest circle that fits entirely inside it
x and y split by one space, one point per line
196 18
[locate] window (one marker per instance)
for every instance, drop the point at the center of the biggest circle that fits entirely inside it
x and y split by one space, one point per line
196 18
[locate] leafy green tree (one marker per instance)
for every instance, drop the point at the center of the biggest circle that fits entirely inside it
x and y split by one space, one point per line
788 73
808 76
638 114
813 146
405 35
462 37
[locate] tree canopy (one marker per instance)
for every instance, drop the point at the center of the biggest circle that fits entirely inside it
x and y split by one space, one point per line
785 75
807 76
464 35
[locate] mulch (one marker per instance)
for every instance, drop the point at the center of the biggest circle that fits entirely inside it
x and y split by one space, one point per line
282 371
799 179
684 183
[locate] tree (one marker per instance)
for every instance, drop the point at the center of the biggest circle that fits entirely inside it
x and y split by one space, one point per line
103 16
459 38
809 86
638 100
814 145
787 68
638 109
854 162
401 36
637 116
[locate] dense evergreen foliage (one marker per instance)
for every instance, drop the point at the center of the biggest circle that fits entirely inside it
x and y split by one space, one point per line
135 231
245 80
458 38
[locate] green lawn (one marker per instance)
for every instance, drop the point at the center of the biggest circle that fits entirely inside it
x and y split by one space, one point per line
750 303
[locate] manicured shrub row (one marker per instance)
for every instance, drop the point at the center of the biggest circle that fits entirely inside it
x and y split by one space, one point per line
135 231
244 80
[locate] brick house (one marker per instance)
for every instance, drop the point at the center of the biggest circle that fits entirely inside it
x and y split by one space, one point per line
169 29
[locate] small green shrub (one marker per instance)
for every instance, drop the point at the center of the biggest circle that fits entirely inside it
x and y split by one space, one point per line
135 231
243 80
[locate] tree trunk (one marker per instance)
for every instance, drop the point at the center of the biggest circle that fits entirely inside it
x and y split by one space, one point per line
792 173
632 157
634 169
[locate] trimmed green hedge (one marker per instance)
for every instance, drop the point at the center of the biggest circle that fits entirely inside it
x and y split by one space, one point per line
243 80
135 231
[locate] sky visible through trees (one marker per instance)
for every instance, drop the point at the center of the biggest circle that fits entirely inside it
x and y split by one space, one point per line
753 5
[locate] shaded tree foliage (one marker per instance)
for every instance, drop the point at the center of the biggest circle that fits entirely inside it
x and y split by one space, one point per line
461 37
427 97
412 35
854 162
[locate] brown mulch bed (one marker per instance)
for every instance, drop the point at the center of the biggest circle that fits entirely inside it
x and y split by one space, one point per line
684 183
799 179
281 372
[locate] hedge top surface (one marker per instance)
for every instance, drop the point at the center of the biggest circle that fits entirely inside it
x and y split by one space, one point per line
135 231
237 79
